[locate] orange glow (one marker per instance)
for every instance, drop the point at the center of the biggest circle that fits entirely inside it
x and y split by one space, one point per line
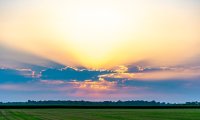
101 85
119 75
120 69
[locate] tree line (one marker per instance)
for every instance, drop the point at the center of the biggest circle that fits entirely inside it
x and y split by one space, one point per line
101 103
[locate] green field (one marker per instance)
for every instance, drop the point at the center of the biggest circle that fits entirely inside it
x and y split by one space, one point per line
99 114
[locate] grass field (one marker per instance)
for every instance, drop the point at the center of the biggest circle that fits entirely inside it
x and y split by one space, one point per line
99 114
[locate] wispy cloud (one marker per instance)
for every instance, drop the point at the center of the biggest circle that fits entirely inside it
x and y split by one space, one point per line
158 73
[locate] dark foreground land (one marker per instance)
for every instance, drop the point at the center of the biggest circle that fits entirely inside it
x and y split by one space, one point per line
99 114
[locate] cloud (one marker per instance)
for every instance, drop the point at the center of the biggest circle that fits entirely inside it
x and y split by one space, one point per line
69 73
15 76
113 88
100 85
156 73
52 82
144 69
136 68
95 90
146 83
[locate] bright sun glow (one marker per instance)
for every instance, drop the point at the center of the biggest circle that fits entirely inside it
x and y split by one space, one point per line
103 33
95 31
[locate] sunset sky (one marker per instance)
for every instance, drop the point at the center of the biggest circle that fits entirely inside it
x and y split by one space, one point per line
100 50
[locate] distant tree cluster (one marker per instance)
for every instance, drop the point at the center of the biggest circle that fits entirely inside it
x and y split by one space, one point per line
103 103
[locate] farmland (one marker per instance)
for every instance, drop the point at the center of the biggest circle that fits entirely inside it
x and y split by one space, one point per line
99 114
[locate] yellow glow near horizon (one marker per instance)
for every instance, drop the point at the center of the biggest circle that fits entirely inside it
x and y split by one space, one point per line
102 34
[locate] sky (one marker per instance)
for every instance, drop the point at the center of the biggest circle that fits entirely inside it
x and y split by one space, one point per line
100 50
